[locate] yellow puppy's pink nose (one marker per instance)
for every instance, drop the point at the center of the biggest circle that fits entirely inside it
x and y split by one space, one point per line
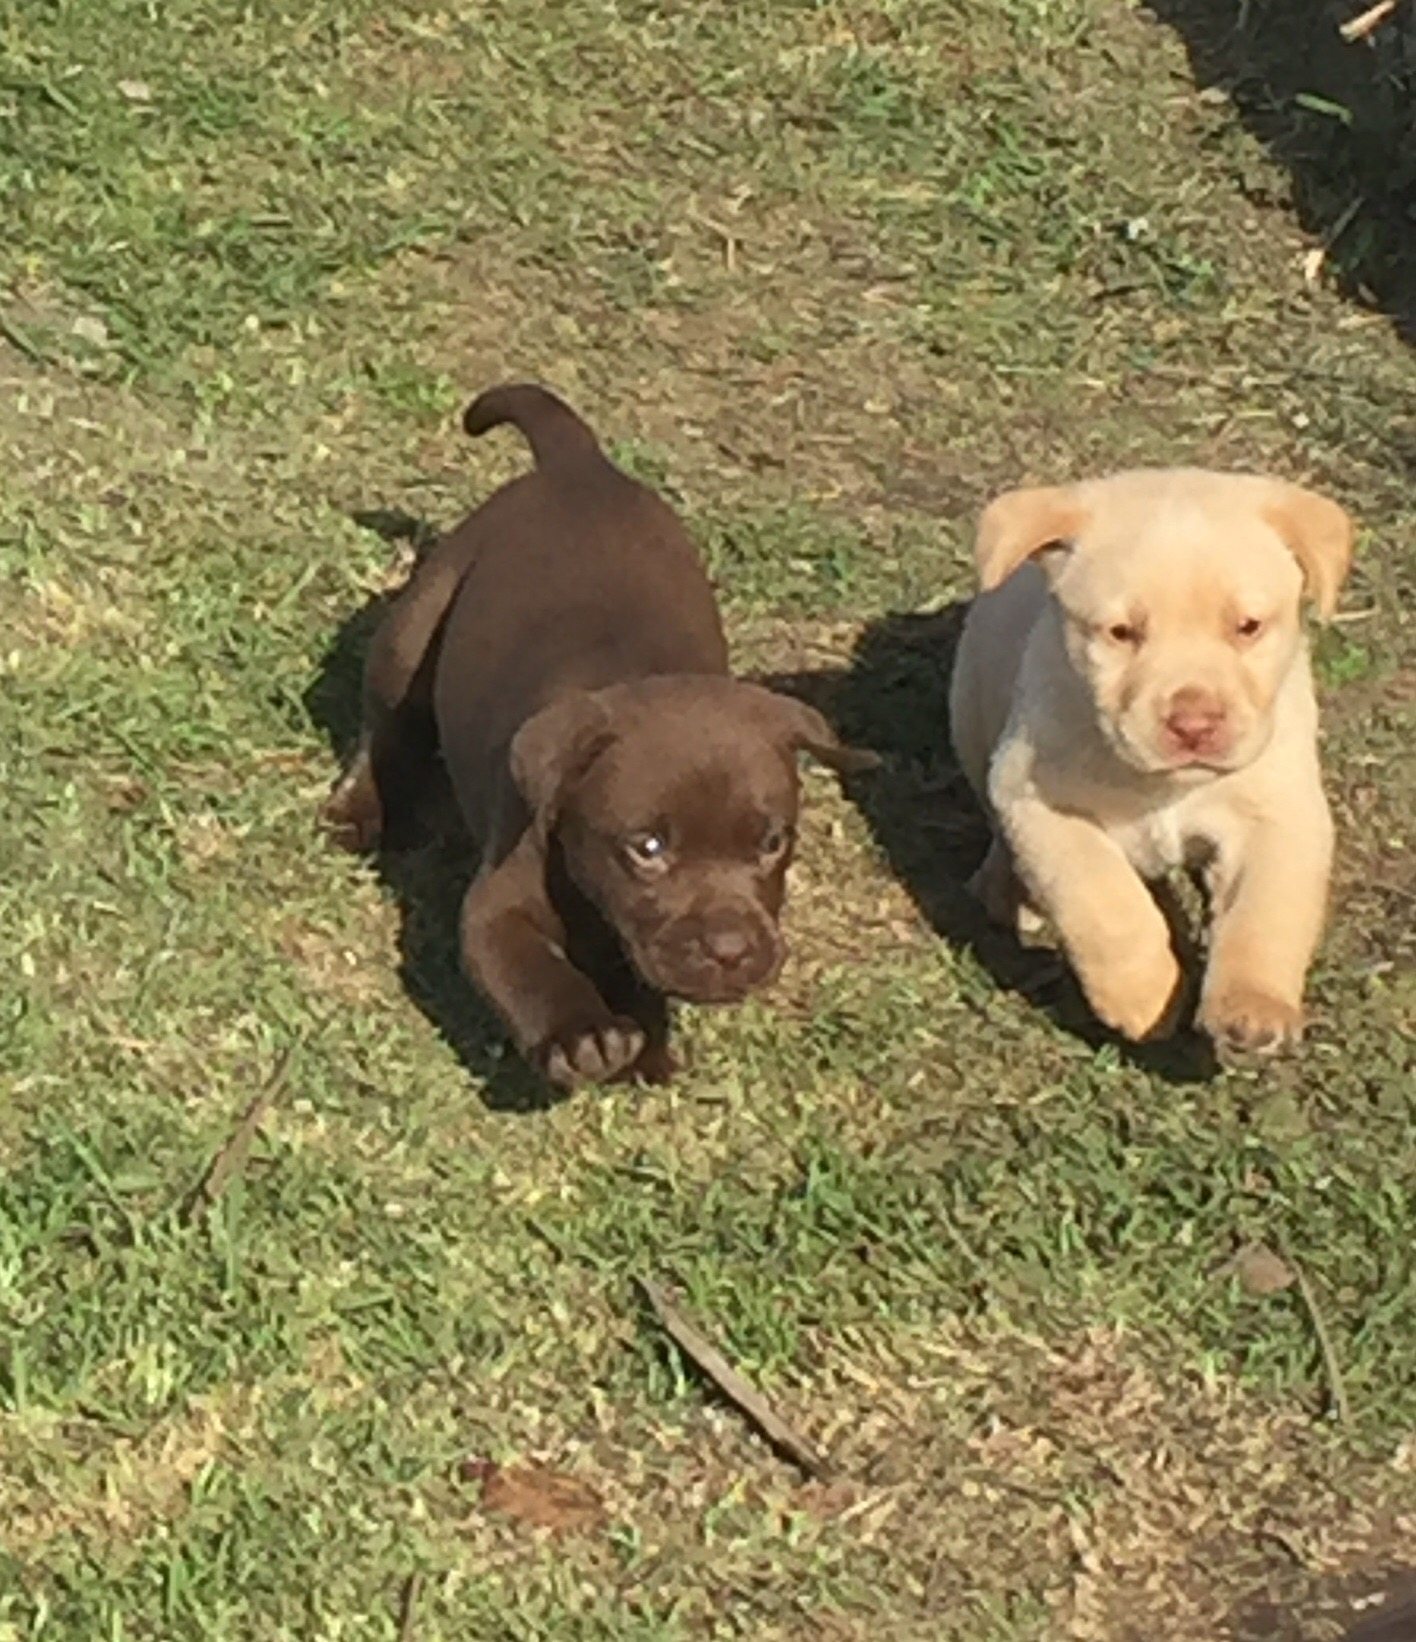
1195 719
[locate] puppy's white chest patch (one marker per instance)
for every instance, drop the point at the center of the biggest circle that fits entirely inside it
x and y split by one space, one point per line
1156 842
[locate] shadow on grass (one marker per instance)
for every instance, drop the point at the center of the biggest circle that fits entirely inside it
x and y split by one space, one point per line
894 698
1395 1619
1376 1605
428 866
1349 145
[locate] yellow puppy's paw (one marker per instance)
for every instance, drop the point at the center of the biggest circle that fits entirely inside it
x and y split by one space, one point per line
1141 1000
1247 1020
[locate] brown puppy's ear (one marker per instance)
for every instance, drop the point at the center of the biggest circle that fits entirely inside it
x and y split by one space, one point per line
1021 524
1318 533
804 729
554 748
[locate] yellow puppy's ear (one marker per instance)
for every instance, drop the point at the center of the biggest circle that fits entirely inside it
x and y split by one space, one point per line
1318 533
1019 525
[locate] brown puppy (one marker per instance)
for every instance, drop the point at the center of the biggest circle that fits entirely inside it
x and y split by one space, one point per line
634 806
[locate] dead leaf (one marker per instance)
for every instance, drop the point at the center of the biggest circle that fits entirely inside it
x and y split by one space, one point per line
539 1497
136 91
826 1500
1261 1271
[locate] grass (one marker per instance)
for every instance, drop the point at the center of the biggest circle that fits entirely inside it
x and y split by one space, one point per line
828 276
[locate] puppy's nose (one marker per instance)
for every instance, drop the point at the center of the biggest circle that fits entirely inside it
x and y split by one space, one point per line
1195 719
727 944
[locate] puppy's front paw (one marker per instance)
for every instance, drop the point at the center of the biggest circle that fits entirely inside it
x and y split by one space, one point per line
657 1065
591 1052
1246 1020
1140 999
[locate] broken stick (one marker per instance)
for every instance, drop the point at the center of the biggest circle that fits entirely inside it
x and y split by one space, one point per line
227 1163
734 1387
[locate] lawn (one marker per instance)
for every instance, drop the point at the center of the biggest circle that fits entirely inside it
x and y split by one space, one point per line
1101 1345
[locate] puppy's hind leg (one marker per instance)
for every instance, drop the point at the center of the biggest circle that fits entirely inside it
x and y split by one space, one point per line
375 802
398 740
352 815
997 888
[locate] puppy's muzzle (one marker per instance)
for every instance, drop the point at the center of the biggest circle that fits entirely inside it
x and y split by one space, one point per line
717 956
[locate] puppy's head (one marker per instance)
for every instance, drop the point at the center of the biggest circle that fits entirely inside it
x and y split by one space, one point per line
674 801
1178 594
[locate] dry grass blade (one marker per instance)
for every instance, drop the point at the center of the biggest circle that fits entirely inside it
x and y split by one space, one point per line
1359 27
228 1161
408 1606
19 338
734 1387
1337 1389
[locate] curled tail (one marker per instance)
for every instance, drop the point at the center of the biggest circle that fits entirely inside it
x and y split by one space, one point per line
551 427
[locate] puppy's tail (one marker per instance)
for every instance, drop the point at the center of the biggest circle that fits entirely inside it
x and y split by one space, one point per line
552 429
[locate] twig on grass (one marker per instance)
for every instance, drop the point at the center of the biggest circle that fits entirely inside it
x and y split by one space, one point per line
1337 1389
730 240
734 1387
227 1162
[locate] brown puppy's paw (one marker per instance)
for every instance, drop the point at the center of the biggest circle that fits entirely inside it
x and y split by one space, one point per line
657 1065
1140 1000
1249 1021
595 1052
352 814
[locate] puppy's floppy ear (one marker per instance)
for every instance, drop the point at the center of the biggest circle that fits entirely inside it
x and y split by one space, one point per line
804 729
1021 524
556 746
1318 533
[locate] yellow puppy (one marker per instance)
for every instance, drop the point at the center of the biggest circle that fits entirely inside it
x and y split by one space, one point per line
1132 694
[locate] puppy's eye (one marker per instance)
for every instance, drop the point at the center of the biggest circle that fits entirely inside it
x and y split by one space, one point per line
774 840
1125 632
1249 628
647 849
